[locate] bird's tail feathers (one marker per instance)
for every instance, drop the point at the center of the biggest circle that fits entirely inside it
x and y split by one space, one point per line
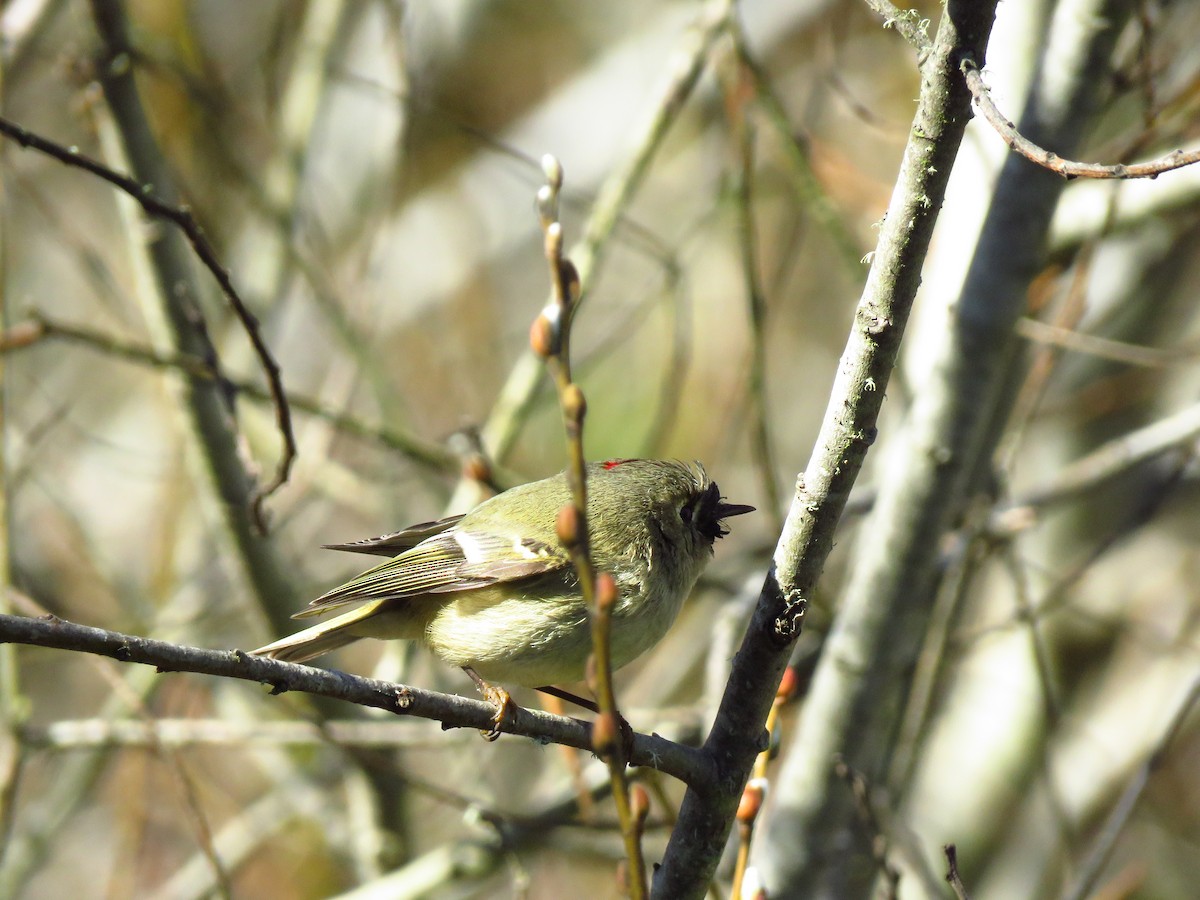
319 639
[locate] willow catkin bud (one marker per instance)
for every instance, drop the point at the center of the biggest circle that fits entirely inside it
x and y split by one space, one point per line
787 685
639 802
573 402
476 468
566 524
605 734
589 674
552 241
606 593
752 800
553 171
569 276
542 337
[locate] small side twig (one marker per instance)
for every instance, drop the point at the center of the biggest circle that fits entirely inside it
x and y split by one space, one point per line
550 339
880 847
737 93
1047 159
40 327
1110 460
810 193
1107 838
181 216
907 22
1121 352
952 877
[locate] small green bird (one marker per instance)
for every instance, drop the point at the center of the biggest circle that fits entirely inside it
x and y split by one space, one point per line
495 592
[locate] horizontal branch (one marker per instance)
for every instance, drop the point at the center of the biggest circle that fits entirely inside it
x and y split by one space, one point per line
683 722
685 763
1122 352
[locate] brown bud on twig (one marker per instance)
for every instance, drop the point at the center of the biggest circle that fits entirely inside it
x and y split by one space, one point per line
553 242
573 402
543 337
787 685
476 468
606 593
623 878
752 800
589 674
605 734
22 335
639 802
567 525
570 279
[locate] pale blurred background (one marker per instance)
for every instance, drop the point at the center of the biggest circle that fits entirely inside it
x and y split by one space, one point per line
367 170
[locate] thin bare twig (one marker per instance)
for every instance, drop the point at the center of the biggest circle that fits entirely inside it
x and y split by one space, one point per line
1027 613
952 877
809 191
1107 461
40 327
75 734
755 790
15 708
1047 159
1105 348
1057 594
865 808
242 835
1107 838
736 97
181 216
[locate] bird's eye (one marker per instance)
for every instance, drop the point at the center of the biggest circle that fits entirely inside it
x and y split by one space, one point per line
685 513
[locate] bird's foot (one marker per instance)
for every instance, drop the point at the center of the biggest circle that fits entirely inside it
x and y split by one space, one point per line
495 695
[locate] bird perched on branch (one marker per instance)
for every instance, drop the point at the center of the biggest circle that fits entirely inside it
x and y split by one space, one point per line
495 591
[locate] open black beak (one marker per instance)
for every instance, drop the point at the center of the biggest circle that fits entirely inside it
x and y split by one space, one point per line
712 509
725 510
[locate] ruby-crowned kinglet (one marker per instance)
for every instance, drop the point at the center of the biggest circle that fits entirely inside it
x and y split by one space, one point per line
495 592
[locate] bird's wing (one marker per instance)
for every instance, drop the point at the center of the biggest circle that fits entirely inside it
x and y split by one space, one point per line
455 560
398 541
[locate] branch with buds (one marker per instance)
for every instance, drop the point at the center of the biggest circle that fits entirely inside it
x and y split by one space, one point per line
550 338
